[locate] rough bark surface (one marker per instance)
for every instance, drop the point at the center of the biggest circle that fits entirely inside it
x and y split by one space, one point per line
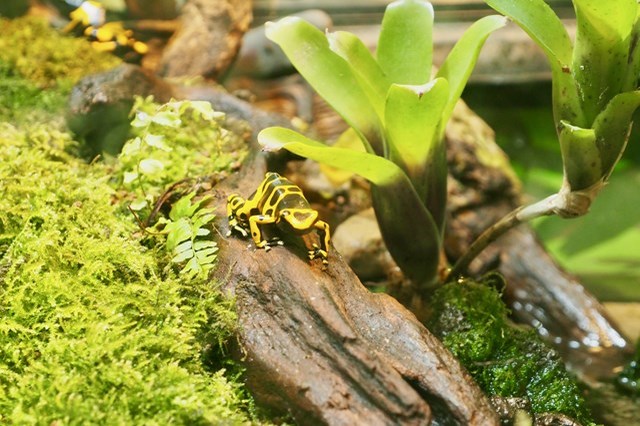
319 345
208 40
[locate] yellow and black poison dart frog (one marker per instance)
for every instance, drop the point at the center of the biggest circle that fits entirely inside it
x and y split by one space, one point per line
277 201
105 36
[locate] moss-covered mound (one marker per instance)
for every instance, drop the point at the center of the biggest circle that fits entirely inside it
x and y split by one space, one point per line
507 361
34 57
97 326
93 328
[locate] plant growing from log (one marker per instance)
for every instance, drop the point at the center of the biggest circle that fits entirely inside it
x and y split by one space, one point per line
594 84
398 112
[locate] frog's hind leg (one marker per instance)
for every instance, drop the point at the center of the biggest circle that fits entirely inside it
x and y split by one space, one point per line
325 236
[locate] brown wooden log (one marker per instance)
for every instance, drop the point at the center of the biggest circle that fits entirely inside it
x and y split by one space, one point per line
317 344
209 38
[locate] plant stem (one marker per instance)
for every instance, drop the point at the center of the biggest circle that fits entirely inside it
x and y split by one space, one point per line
548 206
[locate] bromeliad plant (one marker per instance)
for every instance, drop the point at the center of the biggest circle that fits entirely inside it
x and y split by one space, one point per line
594 97
397 110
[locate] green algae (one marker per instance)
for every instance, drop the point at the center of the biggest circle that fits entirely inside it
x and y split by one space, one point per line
507 361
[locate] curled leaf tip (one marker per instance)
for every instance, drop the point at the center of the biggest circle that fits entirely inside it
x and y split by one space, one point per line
268 143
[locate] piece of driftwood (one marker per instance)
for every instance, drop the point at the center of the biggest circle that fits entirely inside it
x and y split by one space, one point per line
319 346
208 39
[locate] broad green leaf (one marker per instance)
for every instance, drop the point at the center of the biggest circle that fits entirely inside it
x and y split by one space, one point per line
363 65
580 156
460 62
600 58
413 120
409 231
412 117
612 127
330 75
378 170
405 46
348 140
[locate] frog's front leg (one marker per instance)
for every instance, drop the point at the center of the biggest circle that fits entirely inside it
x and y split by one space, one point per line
256 234
325 235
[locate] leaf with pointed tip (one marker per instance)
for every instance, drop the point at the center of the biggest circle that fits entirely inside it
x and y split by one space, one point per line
376 169
612 127
459 64
412 121
405 47
580 156
329 74
537 19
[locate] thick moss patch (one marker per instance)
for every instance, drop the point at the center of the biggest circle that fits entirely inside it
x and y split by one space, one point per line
93 327
507 361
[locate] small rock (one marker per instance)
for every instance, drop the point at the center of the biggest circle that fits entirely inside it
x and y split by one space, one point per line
209 39
359 241
99 105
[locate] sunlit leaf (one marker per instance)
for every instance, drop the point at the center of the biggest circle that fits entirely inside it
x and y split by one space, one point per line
150 166
412 118
364 66
405 46
376 169
330 75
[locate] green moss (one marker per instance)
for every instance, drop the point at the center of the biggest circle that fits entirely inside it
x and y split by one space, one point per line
471 320
31 49
35 57
93 327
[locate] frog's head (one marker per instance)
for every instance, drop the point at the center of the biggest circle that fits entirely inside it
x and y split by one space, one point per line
300 219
